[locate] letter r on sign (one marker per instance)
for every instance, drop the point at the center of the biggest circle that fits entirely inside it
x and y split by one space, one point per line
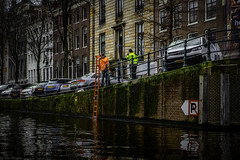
193 108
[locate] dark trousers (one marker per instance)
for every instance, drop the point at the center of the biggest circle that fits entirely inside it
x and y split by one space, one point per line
133 70
105 76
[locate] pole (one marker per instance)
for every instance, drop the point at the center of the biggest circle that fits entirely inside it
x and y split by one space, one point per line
148 65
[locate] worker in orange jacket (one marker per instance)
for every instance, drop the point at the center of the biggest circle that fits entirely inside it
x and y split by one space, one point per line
104 67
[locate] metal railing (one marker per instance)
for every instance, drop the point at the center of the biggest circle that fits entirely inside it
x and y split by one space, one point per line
214 45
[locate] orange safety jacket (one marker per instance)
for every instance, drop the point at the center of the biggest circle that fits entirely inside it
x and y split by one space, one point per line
104 63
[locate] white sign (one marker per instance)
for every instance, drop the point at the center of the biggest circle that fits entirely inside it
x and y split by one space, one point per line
190 107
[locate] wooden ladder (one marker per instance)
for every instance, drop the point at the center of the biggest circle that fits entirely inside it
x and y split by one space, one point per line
96 88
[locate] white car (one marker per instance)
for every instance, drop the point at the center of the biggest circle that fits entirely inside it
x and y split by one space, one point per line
196 52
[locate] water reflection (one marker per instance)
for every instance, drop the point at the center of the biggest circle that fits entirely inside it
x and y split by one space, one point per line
33 136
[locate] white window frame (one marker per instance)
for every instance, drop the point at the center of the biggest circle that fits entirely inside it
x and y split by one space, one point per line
212 18
160 22
84 15
76 39
140 39
192 23
211 29
180 16
76 16
84 32
162 2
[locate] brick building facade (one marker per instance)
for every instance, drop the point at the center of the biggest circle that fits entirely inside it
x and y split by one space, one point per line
78 43
187 19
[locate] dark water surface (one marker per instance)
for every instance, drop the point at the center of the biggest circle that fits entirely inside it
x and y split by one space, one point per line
35 136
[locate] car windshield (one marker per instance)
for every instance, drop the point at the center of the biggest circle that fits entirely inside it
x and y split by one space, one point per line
86 75
32 86
3 86
180 43
194 42
176 44
52 81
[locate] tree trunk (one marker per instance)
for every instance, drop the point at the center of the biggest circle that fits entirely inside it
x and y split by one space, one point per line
38 71
2 64
16 71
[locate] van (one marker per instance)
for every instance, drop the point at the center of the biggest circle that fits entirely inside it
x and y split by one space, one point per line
196 52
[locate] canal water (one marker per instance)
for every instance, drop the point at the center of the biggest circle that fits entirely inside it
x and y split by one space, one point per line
37 136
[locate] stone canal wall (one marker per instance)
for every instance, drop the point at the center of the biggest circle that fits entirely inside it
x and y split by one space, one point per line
215 84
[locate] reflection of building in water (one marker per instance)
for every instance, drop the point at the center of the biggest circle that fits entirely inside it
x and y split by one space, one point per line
190 144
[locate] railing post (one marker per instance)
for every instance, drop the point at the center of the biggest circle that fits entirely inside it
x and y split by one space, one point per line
118 72
165 59
208 44
132 68
185 54
148 65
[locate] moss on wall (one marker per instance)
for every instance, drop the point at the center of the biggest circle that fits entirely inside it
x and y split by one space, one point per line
157 97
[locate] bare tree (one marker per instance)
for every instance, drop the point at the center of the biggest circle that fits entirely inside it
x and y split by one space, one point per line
63 28
17 35
35 42
3 32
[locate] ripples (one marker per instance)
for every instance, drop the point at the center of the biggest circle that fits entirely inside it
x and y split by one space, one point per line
29 136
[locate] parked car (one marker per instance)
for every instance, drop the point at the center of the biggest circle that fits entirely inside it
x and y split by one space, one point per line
39 89
6 93
28 92
69 86
196 52
17 89
54 85
5 86
89 80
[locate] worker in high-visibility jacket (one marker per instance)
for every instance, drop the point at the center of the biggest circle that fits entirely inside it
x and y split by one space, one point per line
104 67
133 61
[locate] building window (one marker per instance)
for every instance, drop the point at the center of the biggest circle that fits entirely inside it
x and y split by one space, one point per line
119 10
193 11
77 39
210 9
140 39
119 43
102 11
84 58
84 13
177 16
162 2
192 35
57 45
212 34
162 20
77 68
76 16
102 43
139 5
84 38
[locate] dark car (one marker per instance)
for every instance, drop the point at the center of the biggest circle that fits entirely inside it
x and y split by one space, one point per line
54 85
17 89
39 89
5 87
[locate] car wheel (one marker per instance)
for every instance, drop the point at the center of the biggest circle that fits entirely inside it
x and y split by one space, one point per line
92 84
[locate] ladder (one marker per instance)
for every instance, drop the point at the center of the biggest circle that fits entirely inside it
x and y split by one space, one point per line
96 88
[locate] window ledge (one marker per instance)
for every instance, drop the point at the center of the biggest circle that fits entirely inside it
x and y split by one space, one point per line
191 24
210 19
76 49
161 31
84 47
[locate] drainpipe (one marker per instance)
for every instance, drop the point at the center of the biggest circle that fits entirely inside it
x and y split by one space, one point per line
154 8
